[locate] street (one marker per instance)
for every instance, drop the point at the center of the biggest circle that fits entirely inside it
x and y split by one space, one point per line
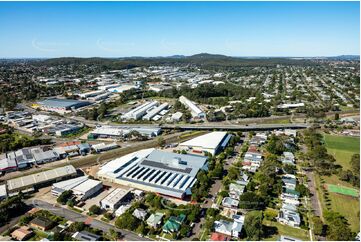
77 217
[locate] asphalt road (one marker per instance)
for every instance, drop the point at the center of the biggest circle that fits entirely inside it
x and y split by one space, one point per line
77 217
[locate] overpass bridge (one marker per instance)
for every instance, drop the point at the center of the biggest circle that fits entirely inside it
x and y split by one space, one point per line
233 127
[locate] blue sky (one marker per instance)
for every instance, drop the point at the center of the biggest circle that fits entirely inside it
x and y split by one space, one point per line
117 29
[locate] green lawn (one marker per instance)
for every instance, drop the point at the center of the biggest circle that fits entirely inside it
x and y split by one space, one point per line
345 205
286 230
342 190
342 148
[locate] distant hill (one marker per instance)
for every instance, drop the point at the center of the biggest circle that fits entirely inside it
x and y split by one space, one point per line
202 59
345 57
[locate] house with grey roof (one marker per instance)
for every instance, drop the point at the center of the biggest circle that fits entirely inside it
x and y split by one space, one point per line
140 214
236 190
230 202
42 156
232 228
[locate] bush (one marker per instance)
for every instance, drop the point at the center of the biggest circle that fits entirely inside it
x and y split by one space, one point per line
64 197
94 209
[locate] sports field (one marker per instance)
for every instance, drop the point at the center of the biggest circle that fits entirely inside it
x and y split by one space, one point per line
342 190
342 148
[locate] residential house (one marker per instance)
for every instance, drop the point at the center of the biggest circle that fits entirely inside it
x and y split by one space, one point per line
41 223
22 233
140 214
219 237
173 224
289 181
231 228
287 215
235 190
155 220
288 158
230 202
85 236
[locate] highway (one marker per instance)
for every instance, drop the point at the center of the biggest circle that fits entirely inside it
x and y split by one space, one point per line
204 126
77 217
238 127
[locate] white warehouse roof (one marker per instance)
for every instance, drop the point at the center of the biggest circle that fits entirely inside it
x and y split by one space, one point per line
208 141
85 186
157 171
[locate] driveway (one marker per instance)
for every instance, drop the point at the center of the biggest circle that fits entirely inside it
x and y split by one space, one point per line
315 202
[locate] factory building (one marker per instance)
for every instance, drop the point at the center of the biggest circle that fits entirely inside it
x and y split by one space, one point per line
195 110
91 94
7 164
156 171
39 179
213 143
155 111
139 111
41 156
83 187
118 132
104 147
61 105
116 198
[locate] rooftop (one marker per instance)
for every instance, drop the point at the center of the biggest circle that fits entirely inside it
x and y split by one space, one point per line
211 140
37 178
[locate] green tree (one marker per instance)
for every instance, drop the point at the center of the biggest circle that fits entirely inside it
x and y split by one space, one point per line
318 227
253 225
94 209
127 221
64 197
337 227
250 200
355 164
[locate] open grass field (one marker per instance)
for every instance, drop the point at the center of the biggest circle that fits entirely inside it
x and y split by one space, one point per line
342 148
348 206
342 190
286 230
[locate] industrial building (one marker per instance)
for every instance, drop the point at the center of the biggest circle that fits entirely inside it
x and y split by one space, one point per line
61 105
104 147
23 158
116 198
156 171
91 94
195 110
83 187
7 164
119 132
39 179
155 111
139 111
41 156
213 143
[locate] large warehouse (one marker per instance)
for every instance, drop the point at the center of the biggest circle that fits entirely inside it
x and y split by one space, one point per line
212 142
117 132
61 105
194 109
83 187
139 111
115 199
157 171
41 178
